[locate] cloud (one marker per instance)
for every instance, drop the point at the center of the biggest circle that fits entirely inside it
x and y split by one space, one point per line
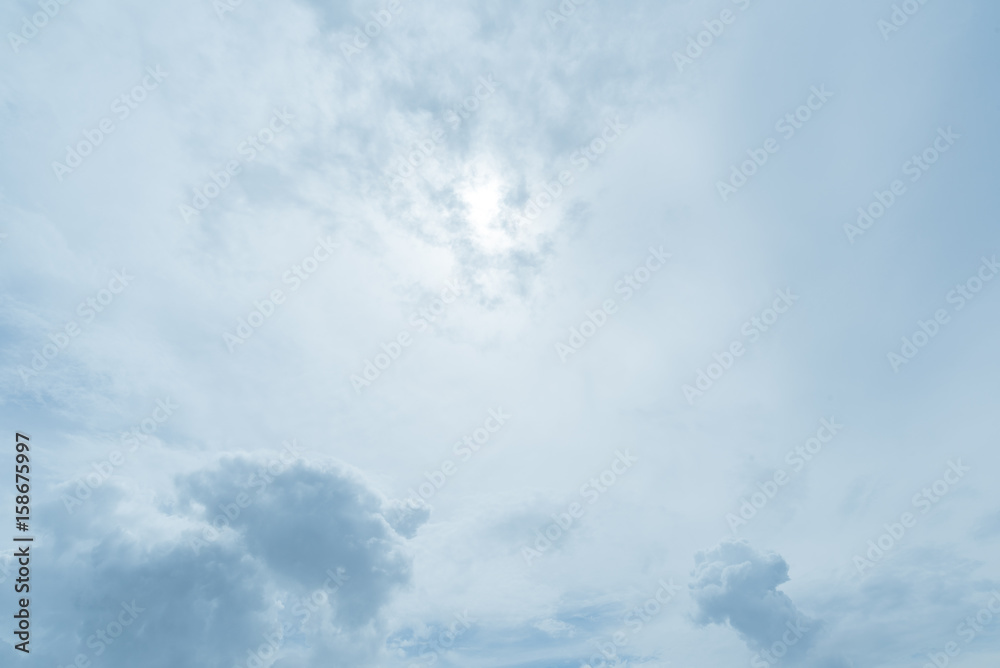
463 214
248 556
735 584
407 516
556 628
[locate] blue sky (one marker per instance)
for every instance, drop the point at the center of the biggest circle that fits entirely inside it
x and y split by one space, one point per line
504 335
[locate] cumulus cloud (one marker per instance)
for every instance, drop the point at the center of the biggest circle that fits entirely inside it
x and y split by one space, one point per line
737 585
407 516
247 557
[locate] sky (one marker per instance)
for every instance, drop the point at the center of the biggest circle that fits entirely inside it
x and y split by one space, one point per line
403 333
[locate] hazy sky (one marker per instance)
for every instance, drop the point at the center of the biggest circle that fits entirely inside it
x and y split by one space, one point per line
503 334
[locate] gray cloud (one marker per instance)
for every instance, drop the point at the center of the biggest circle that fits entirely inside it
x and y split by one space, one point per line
735 584
208 598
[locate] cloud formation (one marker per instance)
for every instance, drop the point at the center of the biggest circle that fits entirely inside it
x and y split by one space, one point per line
737 585
532 152
251 556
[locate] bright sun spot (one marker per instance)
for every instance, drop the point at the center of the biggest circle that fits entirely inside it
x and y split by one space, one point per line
482 195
